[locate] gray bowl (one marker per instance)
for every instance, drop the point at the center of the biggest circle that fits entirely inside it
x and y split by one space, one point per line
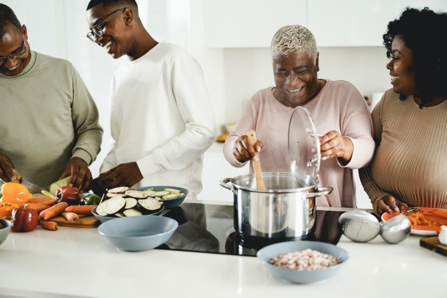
305 276
138 233
169 204
5 228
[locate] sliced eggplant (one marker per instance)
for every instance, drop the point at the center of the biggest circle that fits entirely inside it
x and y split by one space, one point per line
130 203
114 205
138 194
150 204
132 212
119 214
101 210
117 191
111 194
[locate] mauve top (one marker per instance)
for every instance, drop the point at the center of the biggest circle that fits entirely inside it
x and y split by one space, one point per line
338 106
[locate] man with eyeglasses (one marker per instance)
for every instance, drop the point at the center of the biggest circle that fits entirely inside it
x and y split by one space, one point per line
161 117
48 120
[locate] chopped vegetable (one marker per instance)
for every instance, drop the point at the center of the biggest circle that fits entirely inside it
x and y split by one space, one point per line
53 211
114 205
132 212
136 194
81 209
15 193
24 220
150 204
43 200
130 203
49 225
91 199
69 194
117 190
172 190
70 216
6 209
36 206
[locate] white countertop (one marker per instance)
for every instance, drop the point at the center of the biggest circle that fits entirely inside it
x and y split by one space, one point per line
74 262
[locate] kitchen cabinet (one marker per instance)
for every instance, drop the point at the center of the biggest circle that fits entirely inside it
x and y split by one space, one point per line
216 168
249 23
340 23
358 23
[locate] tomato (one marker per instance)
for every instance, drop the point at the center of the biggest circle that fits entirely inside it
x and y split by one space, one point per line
24 220
15 193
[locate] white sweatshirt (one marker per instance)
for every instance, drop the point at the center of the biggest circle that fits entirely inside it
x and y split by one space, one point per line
162 118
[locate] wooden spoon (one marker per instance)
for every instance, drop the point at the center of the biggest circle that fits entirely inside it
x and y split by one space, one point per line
256 163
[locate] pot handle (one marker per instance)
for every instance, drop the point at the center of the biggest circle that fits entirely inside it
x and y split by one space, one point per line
320 191
224 183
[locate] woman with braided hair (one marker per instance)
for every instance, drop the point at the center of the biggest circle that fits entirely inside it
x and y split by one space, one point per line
410 122
338 109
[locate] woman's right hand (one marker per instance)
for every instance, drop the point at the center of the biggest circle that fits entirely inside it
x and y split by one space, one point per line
243 151
389 204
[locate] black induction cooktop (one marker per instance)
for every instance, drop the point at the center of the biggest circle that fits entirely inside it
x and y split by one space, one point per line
207 228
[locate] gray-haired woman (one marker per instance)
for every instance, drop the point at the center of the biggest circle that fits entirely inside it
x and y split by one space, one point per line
337 108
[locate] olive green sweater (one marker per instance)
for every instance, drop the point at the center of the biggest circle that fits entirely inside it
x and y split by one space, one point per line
410 160
47 116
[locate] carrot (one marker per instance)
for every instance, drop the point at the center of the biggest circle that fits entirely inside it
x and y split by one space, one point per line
36 206
439 212
49 225
81 209
53 211
43 200
70 216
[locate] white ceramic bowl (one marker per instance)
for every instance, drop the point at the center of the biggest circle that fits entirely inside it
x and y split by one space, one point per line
304 276
138 233
5 228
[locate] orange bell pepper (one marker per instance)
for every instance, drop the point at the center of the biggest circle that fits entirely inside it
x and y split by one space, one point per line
15 193
6 209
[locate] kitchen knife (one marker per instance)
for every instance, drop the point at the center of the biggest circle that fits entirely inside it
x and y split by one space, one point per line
31 187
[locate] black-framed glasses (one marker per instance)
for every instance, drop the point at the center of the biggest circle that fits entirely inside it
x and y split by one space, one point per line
16 54
98 29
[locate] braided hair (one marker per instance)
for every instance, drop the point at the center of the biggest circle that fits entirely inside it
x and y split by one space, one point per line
425 33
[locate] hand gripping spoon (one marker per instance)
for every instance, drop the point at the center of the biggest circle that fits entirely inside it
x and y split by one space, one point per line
256 162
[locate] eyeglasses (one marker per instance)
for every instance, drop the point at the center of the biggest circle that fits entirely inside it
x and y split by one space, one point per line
98 29
16 54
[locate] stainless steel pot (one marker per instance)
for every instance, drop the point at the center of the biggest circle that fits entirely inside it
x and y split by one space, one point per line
286 209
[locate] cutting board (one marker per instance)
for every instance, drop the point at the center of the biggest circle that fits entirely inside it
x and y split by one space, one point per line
83 222
433 244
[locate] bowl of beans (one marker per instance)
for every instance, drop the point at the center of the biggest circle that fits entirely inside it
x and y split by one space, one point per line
303 261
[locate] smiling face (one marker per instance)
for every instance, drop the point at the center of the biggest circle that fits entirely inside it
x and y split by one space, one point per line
112 22
401 66
14 43
296 78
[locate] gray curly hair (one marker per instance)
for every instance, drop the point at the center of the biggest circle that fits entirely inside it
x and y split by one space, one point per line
292 38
